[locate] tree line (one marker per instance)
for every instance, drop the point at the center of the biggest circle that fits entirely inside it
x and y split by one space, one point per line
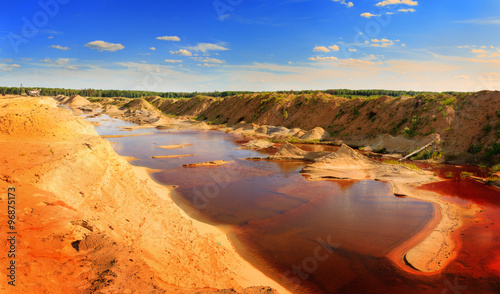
137 94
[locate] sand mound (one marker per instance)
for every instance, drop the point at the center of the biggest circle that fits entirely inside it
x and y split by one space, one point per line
317 133
61 98
346 156
19 121
261 130
76 101
203 126
140 104
251 127
289 151
273 130
259 144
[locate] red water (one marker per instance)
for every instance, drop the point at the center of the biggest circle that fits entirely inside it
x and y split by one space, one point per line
478 259
326 236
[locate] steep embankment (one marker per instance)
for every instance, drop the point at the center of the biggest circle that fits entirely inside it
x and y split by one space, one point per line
86 223
468 125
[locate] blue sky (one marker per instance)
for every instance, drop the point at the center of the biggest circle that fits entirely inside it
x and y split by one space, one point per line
255 45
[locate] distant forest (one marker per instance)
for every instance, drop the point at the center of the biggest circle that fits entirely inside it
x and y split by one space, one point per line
137 94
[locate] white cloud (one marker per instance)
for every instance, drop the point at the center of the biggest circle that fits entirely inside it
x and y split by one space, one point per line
7 60
394 2
348 4
204 47
104 46
172 61
490 55
368 15
59 61
169 38
182 52
357 62
14 65
319 58
72 67
152 48
483 21
59 47
207 60
321 49
207 65
334 48
353 50
384 43
407 10
479 51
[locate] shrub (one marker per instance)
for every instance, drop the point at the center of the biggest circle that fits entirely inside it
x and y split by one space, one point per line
475 149
487 128
492 150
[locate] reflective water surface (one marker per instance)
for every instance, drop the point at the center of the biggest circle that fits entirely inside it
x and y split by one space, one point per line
310 236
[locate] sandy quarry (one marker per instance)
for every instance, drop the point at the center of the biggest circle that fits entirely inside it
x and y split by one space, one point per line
89 222
88 218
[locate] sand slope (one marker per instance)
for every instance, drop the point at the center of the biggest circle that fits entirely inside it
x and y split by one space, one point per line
88 223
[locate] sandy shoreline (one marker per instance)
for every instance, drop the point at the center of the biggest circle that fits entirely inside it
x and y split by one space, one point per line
432 248
248 275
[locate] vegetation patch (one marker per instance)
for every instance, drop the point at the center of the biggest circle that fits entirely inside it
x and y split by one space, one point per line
407 164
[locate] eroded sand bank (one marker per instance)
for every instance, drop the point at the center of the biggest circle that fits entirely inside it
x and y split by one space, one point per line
90 222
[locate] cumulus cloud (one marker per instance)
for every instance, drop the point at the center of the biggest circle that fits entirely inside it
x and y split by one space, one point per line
169 38
207 60
321 49
479 51
14 65
59 47
207 65
407 10
204 47
394 2
152 48
181 52
368 15
59 61
327 58
172 61
334 48
348 4
104 46
384 43
324 49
